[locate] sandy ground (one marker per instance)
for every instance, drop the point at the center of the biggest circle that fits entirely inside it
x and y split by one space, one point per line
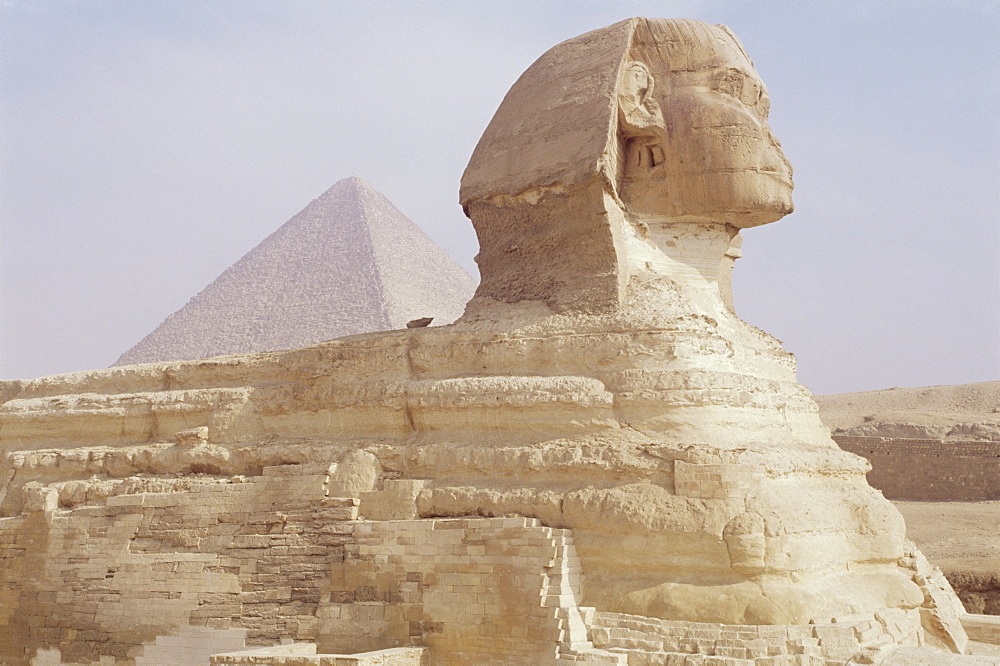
963 536
963 539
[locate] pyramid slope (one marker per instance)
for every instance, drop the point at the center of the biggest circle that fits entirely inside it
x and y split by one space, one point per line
348 263
418 278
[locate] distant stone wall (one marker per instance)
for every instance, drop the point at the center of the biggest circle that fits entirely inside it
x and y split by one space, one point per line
928 469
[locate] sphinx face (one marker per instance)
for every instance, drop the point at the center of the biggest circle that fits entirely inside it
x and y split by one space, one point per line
713 157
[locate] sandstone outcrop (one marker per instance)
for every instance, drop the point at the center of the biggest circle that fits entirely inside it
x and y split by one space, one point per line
348 263
599 435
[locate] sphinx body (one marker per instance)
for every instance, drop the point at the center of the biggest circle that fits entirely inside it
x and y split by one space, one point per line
598 381
620 168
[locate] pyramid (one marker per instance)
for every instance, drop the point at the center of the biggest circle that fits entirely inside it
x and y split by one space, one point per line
349 263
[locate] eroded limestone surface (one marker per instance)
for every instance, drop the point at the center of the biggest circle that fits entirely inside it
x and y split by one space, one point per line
598 385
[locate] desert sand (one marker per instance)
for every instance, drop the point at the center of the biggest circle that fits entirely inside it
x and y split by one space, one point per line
963 538
962 411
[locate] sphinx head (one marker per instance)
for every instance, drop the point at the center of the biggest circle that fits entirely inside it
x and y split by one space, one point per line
693 137
631 129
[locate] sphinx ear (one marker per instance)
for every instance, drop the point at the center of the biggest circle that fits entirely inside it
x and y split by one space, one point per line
638 111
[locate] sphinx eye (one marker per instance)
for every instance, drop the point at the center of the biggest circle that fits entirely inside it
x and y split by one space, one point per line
732 83
763 106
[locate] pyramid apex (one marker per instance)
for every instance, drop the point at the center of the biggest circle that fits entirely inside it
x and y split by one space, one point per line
351 183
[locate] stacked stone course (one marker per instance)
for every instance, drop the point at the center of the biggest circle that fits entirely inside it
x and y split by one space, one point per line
304 654
860 639
224 563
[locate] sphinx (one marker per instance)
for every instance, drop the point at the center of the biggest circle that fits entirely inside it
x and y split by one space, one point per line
598 381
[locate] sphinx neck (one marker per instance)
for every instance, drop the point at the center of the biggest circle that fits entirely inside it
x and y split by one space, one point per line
691 254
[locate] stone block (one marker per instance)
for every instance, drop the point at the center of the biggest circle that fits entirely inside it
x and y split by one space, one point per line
38 497
982 628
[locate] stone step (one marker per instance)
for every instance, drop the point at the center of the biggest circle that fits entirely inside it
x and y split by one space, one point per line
566 562
564 587
560 600
587 654
559 575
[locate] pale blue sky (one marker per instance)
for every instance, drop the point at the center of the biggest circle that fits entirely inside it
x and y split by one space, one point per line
148 145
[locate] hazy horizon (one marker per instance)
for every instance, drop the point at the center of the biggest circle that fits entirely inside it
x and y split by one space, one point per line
148 146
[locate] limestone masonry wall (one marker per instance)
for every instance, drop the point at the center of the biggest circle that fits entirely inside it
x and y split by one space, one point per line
218 568
221 564
474 591
927 469
218 565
